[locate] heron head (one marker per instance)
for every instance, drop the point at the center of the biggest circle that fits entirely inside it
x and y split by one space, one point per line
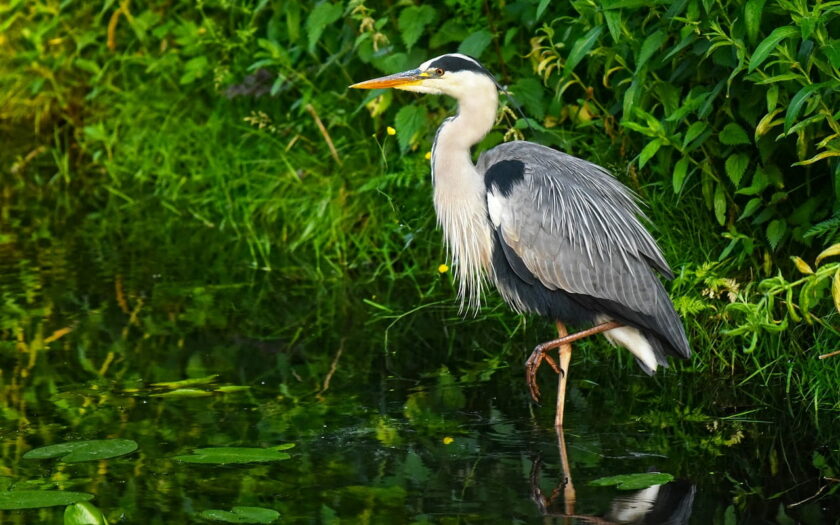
454 74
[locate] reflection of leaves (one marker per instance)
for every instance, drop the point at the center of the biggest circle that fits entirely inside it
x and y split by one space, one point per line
226 455
75 451
633 481
36 499
242 515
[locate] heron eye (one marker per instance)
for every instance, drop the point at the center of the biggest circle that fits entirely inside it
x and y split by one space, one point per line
439 72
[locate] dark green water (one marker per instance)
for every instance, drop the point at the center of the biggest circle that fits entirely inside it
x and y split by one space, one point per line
414 434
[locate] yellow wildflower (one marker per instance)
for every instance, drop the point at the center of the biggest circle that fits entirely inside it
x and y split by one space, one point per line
428 155
448 440
443 268
391 131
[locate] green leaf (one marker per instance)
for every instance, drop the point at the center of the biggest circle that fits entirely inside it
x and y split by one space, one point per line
413 20
736 166
226 455
796 103
187 382
752 17
451 31
580 48
732 134
530 91
633 481
475 44
84 513
76 451
768 44
694 131
242 515
649 151
751 207
720 204
184 392
680 171
409 121
36 499
651 44
541 8
775 231
321 16
613 19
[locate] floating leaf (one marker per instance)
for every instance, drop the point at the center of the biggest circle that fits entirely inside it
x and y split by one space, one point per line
226 455
242 515
633 481
187 382
84 513
36 499
76 451
834 249
732 134
768 44
185 392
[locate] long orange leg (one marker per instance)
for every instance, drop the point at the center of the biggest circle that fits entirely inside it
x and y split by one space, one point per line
540 354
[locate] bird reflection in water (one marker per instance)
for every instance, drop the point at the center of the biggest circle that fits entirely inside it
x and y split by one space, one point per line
666 504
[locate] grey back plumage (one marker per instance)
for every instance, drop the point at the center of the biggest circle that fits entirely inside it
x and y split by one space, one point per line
576 228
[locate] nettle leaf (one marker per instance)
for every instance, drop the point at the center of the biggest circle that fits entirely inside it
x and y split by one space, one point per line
409 121
475 44
763 50
76 451
736 166
242 515
529 91
227 455
413 20
732 134
321 16
633 481
775 231
451 31
36 499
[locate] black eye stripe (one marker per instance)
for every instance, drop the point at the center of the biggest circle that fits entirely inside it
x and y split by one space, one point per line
455 64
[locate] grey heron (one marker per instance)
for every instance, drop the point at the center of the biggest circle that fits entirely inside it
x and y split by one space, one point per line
557 235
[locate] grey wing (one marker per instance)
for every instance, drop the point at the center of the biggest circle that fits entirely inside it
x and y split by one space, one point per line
576 228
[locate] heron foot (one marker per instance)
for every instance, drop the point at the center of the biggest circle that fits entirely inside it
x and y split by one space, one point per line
533 364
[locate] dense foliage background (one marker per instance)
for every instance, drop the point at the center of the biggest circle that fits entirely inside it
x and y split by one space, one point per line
190 192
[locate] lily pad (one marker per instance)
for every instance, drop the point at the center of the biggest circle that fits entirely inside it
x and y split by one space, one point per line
36 499
242 515
84 513
225 455
633 481
76 451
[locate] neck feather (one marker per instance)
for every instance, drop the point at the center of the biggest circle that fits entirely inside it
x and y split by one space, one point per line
460 200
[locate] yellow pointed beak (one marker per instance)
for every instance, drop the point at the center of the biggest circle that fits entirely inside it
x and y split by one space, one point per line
398 80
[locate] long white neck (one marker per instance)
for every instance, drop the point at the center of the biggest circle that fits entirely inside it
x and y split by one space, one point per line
460 195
